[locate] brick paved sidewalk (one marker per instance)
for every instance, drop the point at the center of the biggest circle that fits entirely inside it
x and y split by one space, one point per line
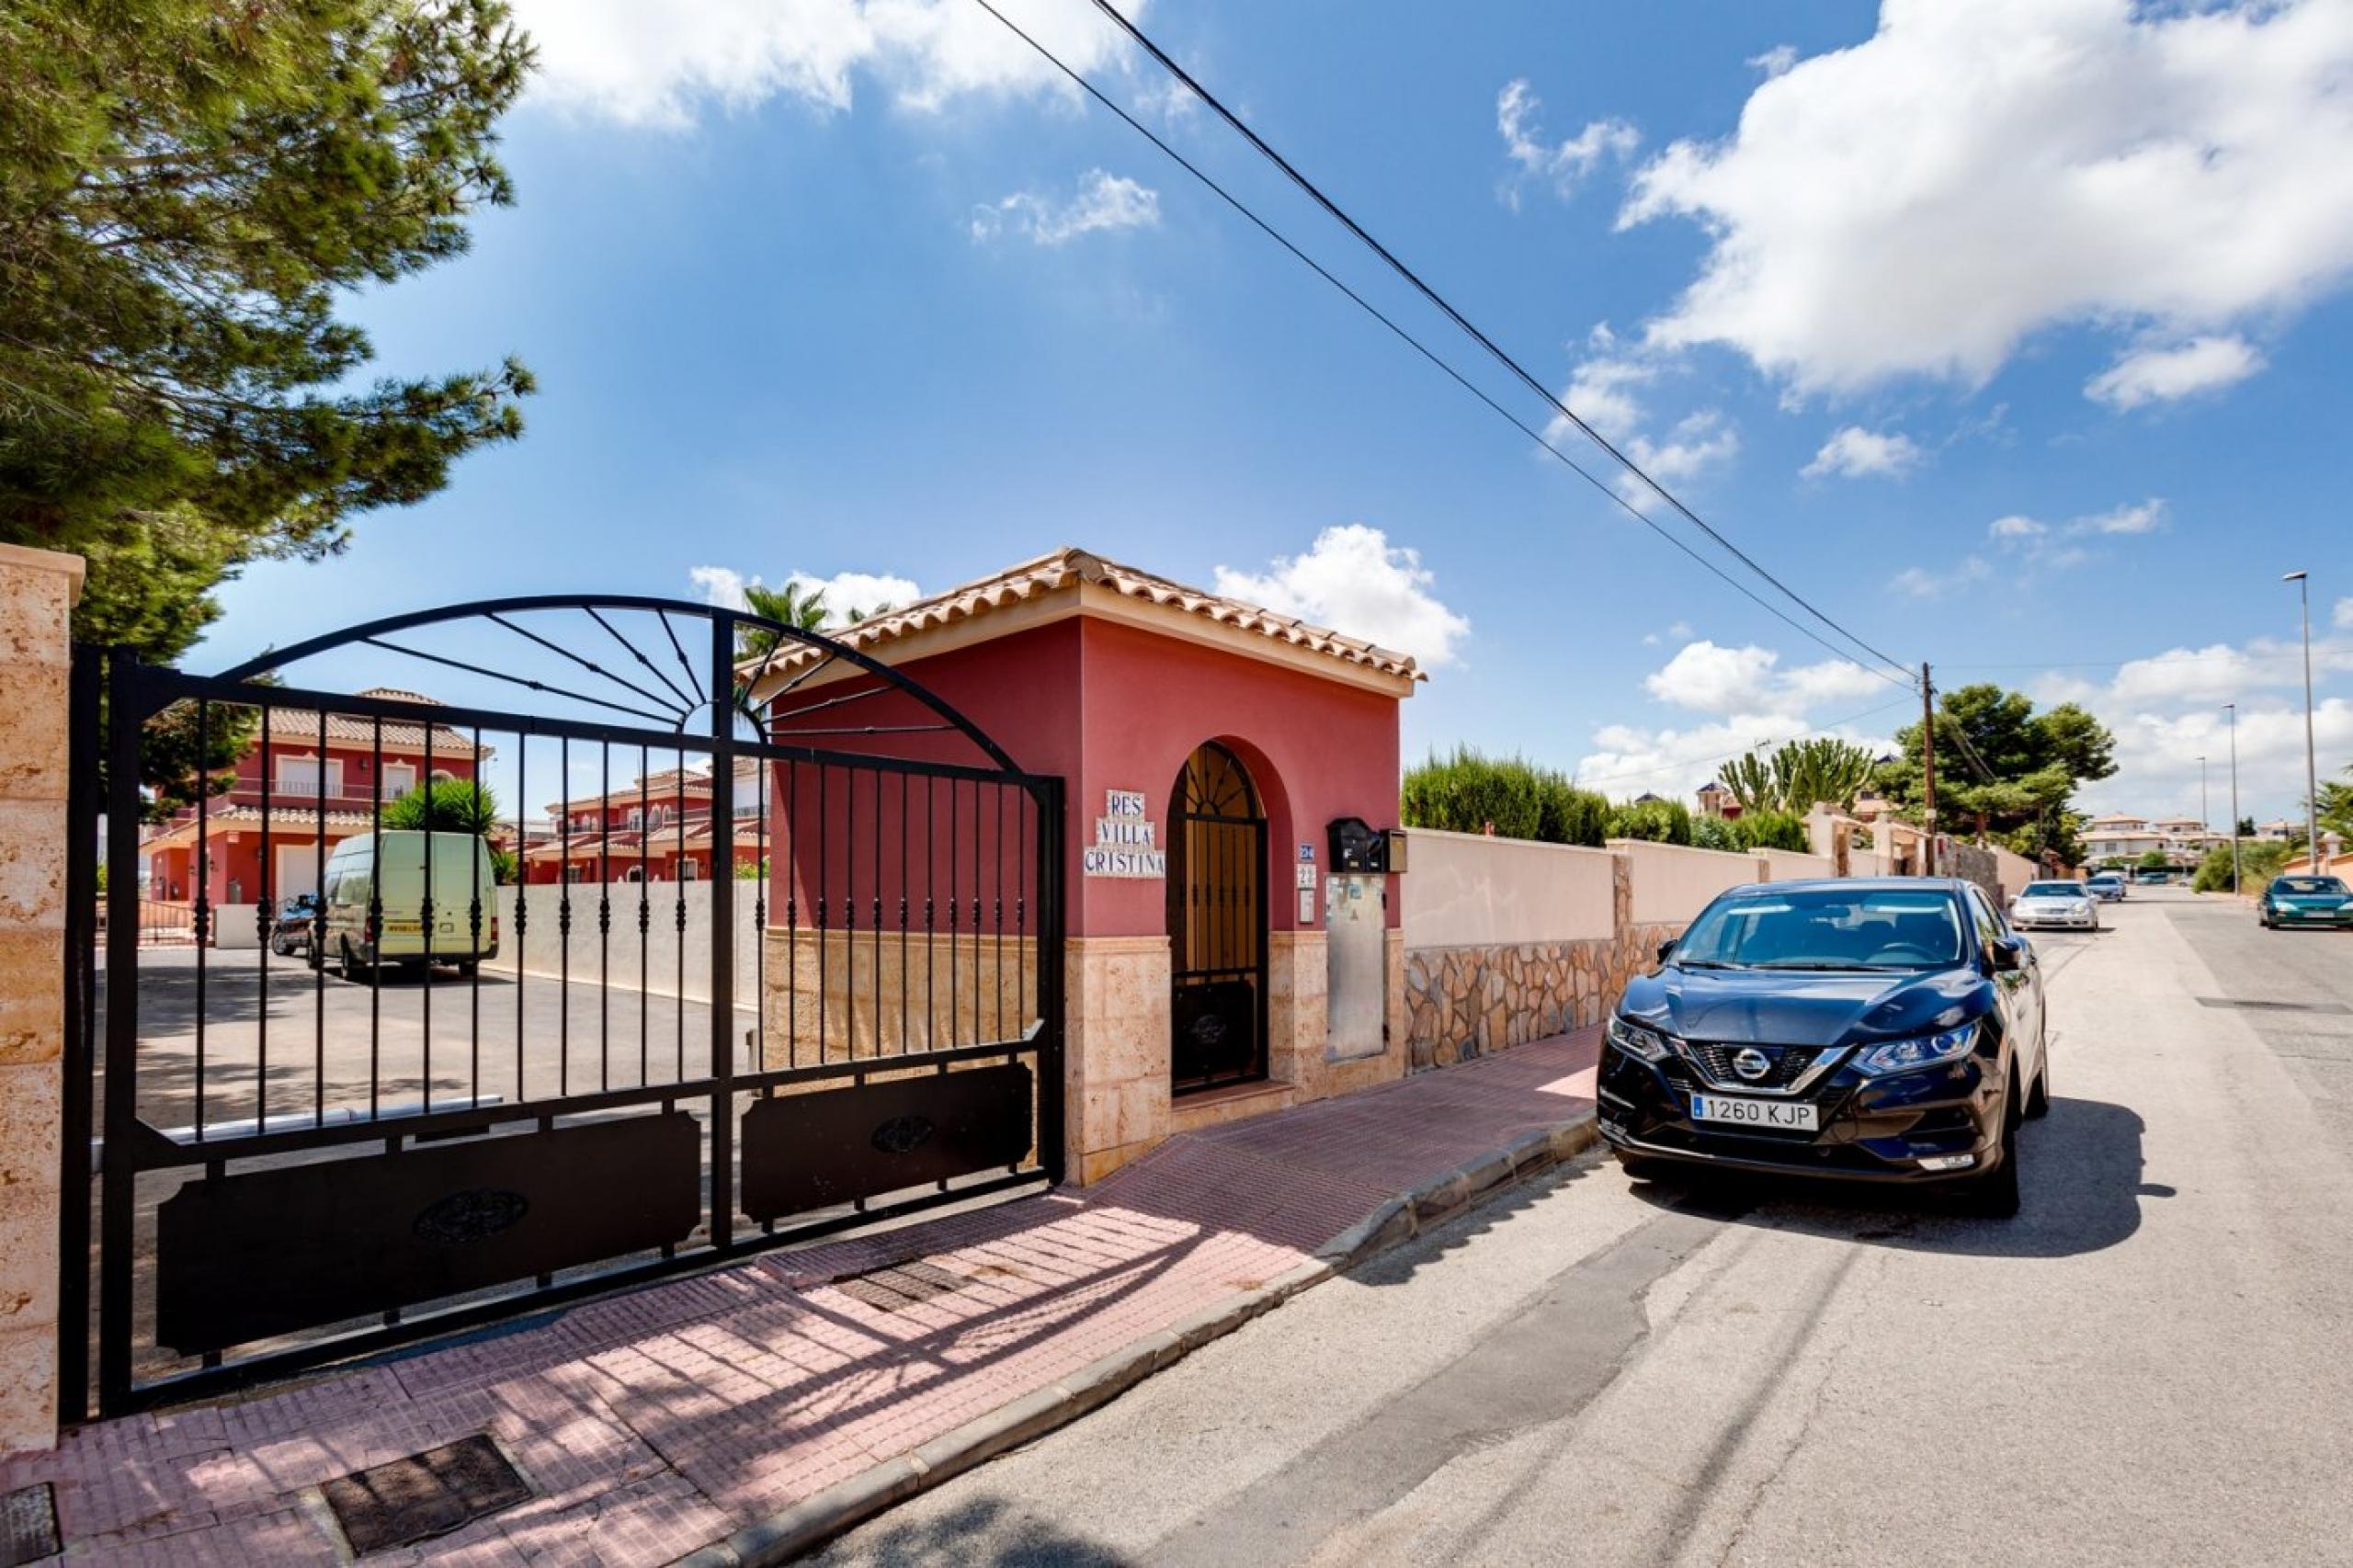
653 1423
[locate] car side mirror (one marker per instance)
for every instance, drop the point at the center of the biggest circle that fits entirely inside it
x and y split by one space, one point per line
1664 948
2008 954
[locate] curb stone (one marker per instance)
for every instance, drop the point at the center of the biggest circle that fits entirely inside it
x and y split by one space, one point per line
788 1533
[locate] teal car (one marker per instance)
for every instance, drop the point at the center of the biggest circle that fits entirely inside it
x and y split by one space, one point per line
2321 902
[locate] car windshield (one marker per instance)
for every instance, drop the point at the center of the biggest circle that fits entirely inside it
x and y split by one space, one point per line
2107 877
2053 890
1831 928
2319 885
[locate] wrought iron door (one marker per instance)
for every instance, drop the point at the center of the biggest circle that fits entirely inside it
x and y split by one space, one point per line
784 959
1217 924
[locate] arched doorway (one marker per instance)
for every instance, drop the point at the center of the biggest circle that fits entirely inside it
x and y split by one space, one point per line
1217 924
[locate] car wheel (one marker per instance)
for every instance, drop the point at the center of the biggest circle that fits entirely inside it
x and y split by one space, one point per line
1994 1195
2038 1101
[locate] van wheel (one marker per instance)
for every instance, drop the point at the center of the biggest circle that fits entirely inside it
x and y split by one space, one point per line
466 968
343 964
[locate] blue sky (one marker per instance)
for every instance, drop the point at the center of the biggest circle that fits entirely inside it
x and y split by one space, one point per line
2010 331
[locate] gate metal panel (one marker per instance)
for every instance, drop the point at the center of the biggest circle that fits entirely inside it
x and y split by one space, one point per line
288 1170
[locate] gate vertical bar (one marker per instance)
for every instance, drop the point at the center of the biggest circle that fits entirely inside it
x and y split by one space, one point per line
126 712
722 932
1052 1090
81 982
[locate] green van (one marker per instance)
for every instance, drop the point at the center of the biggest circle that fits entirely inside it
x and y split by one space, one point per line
390 867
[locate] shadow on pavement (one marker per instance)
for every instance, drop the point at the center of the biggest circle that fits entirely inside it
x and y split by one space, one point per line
2081 1175
987 1530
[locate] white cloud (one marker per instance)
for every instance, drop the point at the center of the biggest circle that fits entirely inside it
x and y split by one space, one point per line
1563 163
1930 582
1712 679
1630 760
1601 391
2147 375
2148 516
1353 580
1922 201
1776 60
2156 756
1854 452
661 66
1699 441
2345 613
2039 541
843 591
1103 201
2219 673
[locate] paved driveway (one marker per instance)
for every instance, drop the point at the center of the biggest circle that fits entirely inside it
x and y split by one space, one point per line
325 1038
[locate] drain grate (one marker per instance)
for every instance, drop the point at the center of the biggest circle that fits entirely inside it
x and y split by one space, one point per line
425 1494
2274 1006
28 1525
901 1286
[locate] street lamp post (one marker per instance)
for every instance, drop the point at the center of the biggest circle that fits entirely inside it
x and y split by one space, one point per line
2312 771
2232 710
2205 814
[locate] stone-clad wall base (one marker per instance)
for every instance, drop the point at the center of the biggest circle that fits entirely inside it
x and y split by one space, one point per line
1462 1002
1469 1002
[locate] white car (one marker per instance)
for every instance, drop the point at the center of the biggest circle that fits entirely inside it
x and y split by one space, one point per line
2059 906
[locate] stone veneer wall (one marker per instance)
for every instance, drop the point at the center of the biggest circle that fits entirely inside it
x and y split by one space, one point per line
1464 1002
36 594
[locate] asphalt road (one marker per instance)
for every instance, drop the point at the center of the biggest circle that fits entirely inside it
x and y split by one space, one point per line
2153 1363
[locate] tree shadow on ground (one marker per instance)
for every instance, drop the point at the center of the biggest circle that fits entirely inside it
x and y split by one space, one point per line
2080 1189
992 1531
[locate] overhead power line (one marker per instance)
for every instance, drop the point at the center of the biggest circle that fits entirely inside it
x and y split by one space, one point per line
1421 348
1469 328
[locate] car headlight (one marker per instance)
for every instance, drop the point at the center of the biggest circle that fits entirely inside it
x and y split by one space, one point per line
1637 1041
1926 1051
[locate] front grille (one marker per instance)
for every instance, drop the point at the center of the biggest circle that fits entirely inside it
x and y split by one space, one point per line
1789 1065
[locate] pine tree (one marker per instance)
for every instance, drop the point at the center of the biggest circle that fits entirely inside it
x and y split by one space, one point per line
186 190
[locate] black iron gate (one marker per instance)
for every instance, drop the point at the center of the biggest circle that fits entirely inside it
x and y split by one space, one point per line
426 1060
1217 924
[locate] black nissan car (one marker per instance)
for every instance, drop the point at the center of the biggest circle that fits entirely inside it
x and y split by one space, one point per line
1874 1030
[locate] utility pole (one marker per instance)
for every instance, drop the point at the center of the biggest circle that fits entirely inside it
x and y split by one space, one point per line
2205 814
2311 774
2232 710
1928 770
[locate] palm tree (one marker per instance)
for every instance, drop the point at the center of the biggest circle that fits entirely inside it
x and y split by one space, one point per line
791 603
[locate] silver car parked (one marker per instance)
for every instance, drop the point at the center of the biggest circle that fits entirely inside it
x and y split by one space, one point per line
2061 906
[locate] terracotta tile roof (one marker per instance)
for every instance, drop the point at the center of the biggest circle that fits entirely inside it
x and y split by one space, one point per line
297 725
1070 567
294 821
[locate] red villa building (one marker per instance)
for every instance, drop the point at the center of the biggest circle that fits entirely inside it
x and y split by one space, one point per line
656 829
317 792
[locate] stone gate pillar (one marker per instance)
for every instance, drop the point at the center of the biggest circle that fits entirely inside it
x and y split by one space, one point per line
38 589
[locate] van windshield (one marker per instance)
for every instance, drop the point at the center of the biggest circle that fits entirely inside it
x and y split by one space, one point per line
1825 929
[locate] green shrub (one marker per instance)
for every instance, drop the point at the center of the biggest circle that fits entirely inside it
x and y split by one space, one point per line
1469 793
2260 861
1773 829
1660 821
1714 832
